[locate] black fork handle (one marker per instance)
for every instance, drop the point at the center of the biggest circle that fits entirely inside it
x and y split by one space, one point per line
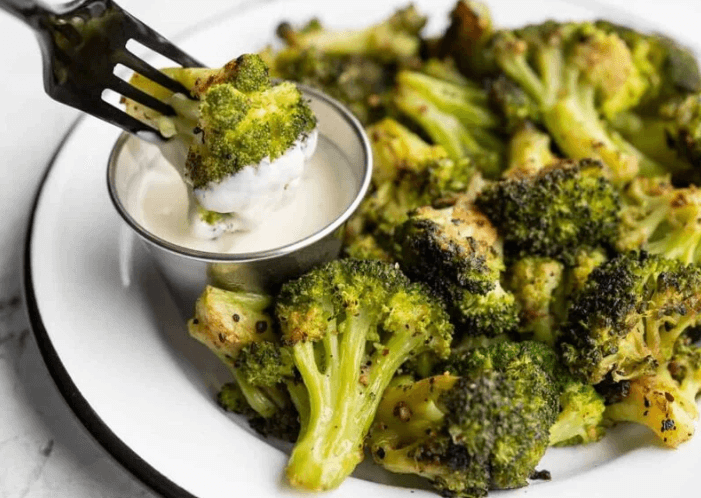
25 10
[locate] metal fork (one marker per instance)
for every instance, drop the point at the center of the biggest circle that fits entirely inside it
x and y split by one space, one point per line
82 42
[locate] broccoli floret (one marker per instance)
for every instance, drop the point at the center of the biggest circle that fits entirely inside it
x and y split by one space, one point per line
457 252
626 319
394 38
577 72
237 118
669 68
407 173
468 34
529 152
237 328
455 116
661 219
556 212
350 325
534 282
681 119
581 417
512 104
481 425
666 400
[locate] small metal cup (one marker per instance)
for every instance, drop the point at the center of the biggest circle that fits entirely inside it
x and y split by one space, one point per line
187 271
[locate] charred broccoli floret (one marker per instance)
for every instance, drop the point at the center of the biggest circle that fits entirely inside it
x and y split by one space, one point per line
453 115
577 72
661 219
237 328
408 173
350 325
457 252
236 118
556 212
481 425
629 314
666 400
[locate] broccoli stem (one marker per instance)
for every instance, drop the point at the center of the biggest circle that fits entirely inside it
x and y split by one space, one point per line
264 401
343 400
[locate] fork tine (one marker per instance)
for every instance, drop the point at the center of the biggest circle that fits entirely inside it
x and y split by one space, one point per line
131 92
128 123
151 39
147 70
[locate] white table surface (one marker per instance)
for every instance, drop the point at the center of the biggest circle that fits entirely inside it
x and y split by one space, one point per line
44 450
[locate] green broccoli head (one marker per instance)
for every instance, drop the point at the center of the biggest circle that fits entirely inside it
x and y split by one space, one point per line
392 39
536 282
661 219
628 316
669 68
457 252
237 328
408 173
350 325
576 72
554 213
581 417
244 119
484 424
512 104
455 116
664 401
681 118
236 117
529 152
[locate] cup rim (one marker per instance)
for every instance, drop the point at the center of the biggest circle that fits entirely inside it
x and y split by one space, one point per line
285 250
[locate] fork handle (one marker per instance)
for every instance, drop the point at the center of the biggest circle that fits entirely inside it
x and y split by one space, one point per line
25 10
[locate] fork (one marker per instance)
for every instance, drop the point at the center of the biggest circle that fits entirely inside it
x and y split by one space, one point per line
82 42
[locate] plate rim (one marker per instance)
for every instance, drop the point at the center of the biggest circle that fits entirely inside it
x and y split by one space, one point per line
96 428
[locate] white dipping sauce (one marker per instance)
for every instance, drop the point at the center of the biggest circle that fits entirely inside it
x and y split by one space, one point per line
325 190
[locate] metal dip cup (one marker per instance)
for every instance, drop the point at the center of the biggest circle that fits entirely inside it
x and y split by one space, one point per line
187 271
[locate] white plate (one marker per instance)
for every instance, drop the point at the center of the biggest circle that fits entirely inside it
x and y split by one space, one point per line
119 351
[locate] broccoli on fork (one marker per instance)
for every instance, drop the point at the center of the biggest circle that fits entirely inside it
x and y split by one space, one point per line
237 120
350 325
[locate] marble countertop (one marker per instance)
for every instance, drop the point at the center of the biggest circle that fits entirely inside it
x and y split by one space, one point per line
44 450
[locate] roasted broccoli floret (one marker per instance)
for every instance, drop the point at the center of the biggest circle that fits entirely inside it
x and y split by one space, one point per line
661 219
236 118
350 325
535 282
581 417
484 424
453 115
670 69
394 38
529 152
457 252
577 72
666 400
556 212
626 319
681 119
407 173
511 103
356 67
468 34
237 328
